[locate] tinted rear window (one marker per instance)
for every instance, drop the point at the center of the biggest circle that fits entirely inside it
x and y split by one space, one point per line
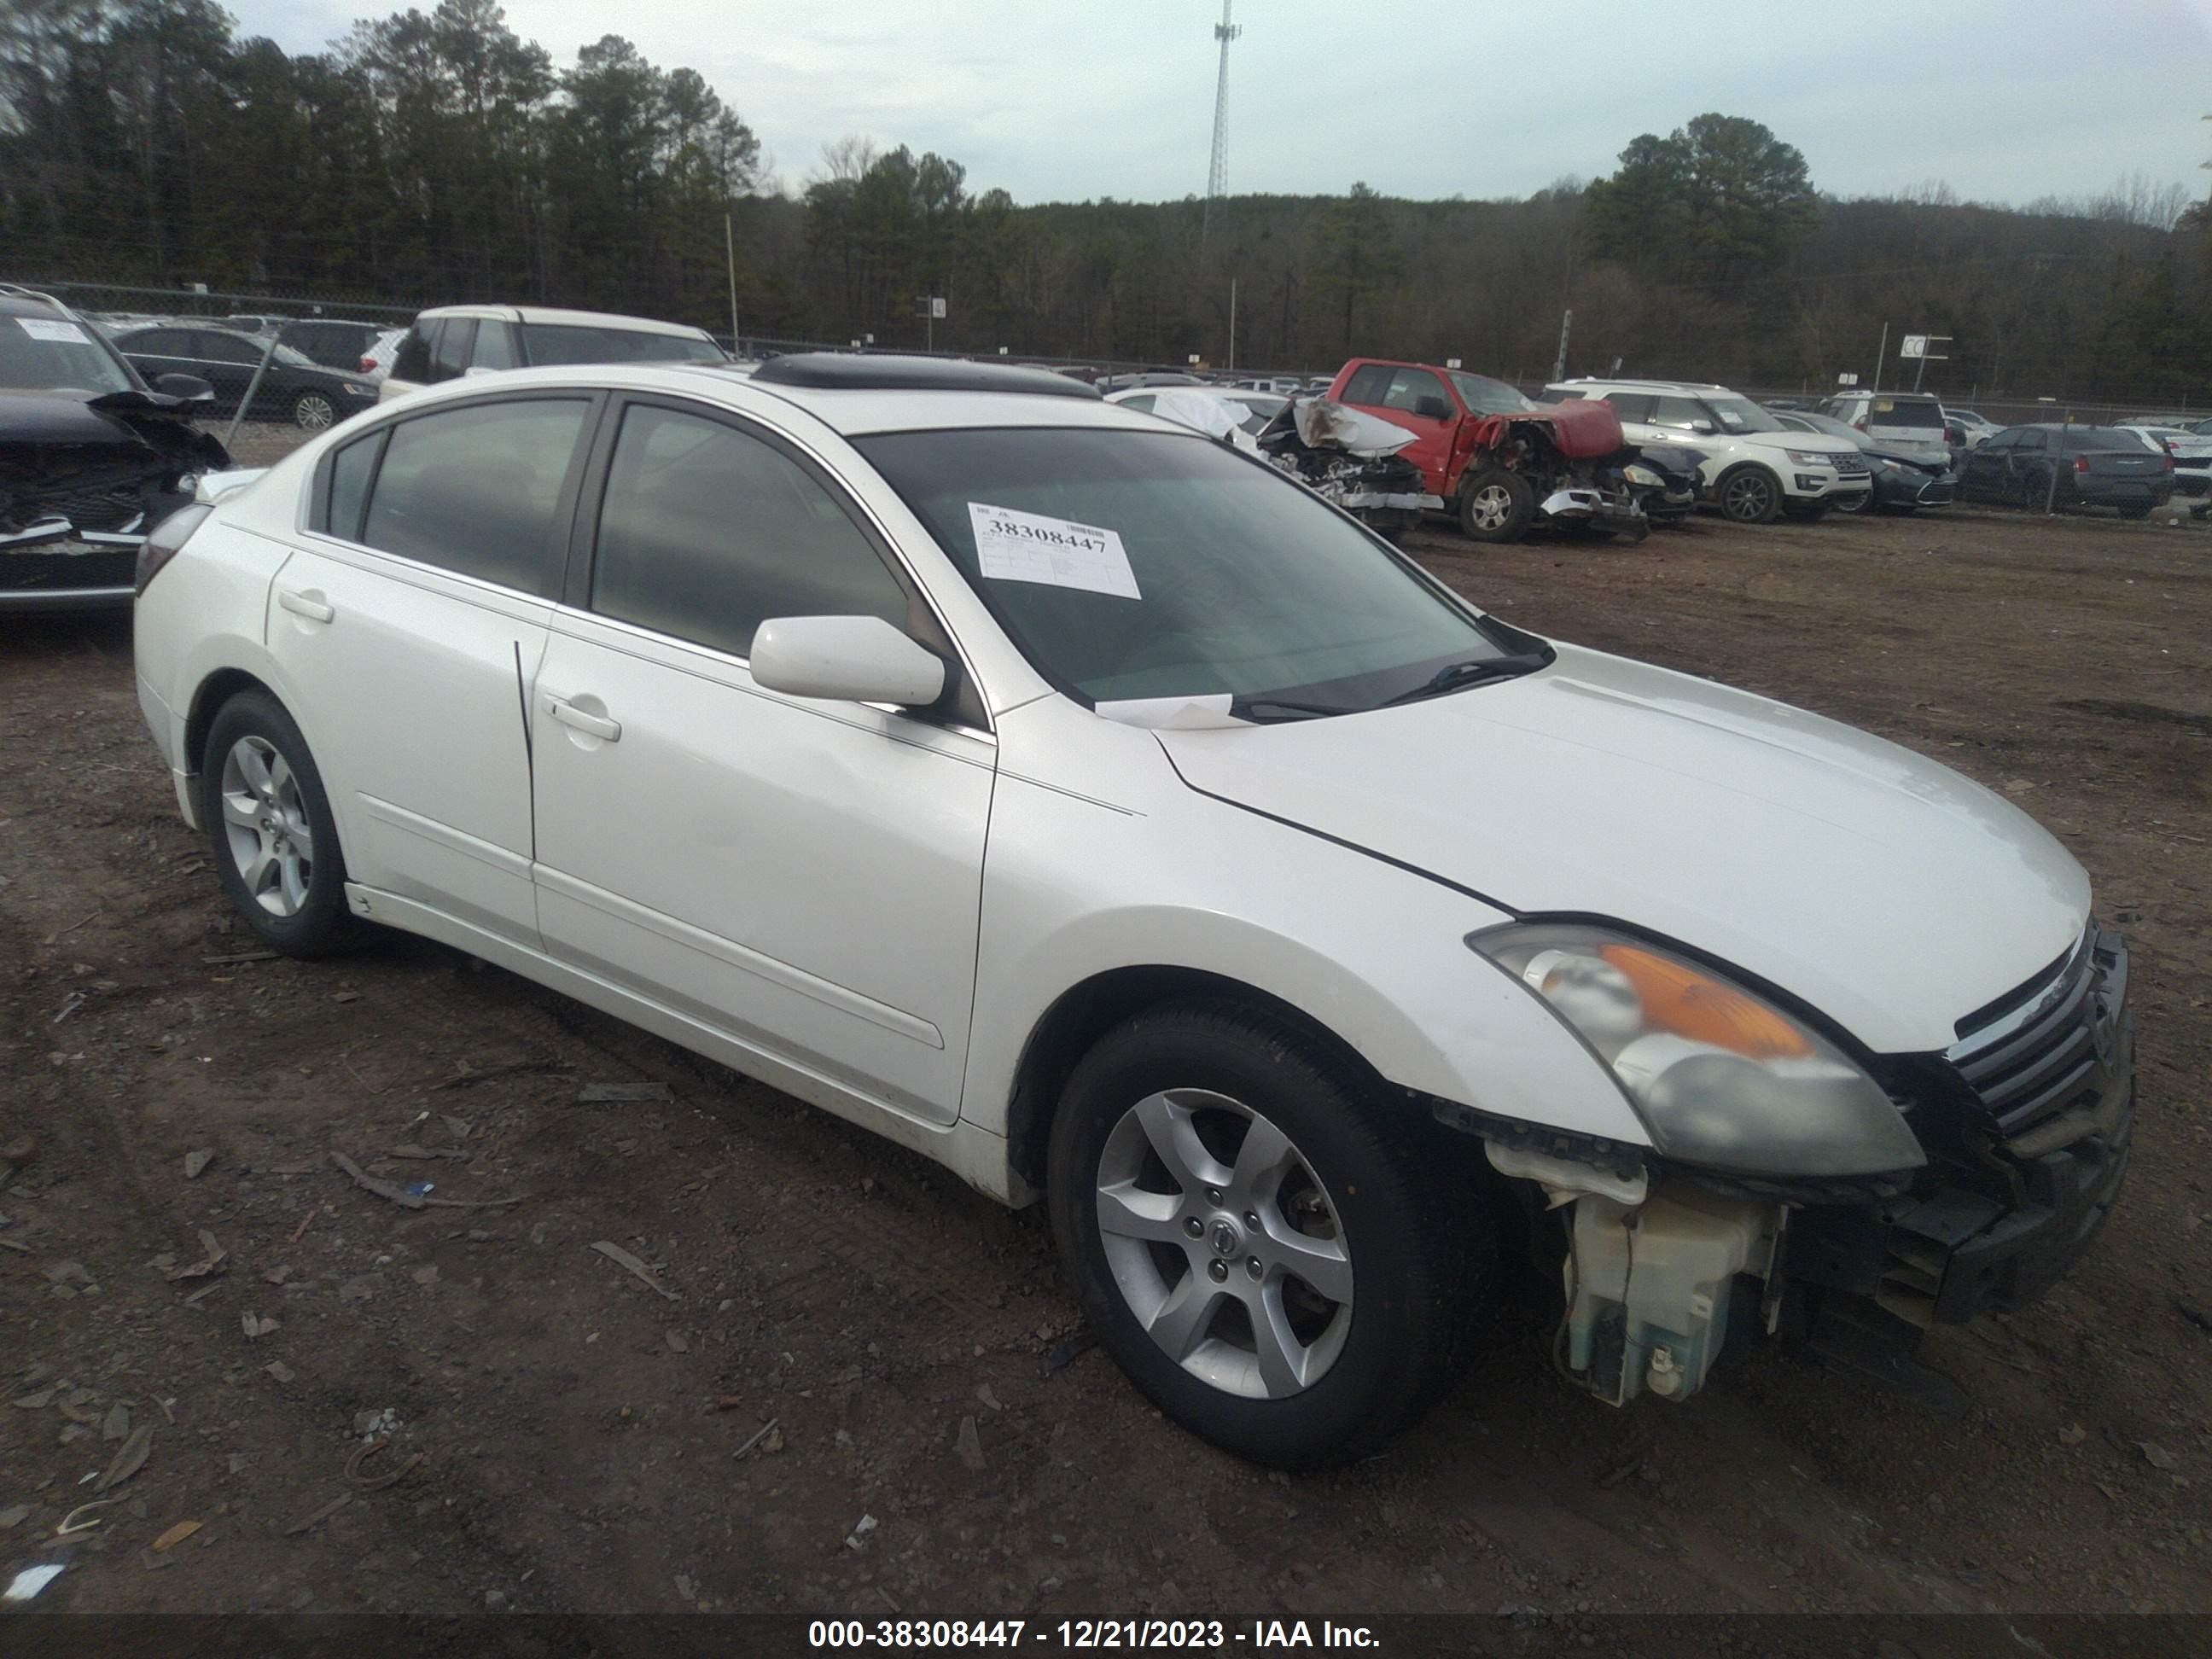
564 343
1905 412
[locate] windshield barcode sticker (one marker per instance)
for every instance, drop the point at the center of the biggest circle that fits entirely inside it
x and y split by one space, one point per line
52 328
1026 547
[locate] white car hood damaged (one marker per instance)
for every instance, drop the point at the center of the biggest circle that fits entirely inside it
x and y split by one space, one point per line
1886 891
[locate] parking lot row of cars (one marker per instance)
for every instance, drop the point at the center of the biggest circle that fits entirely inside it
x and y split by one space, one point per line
1391 441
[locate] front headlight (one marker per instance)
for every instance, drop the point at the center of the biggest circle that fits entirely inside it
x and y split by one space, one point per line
357 390
1720 1077
1812 458
1644 476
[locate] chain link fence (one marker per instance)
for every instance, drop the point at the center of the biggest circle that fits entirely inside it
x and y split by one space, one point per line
321 327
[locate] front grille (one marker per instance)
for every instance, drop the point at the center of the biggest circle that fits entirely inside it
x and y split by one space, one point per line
118 507
1850 466
2042 1055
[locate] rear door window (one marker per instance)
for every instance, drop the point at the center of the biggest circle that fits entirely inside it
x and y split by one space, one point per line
1677 412
449 352
411 362
475 490
495 346
1630 405
350 471
706 531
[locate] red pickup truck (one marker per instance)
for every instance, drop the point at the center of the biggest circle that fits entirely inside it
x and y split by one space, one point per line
1501 462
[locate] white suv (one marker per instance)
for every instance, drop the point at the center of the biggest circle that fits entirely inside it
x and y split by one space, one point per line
914 736
452 341
1754 466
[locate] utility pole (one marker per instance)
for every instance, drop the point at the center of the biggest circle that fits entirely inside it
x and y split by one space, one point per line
730 251
1880 352
1232 325
1559 368
1217 172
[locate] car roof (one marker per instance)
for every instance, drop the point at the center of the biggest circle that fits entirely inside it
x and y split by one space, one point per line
557 317
26 304
1644 386
850 411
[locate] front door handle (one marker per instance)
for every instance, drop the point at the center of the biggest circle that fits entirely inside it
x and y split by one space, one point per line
597 725
312 605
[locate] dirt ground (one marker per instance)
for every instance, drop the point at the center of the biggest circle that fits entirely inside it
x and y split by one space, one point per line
775 1416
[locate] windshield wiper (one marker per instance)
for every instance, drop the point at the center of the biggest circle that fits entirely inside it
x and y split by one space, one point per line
1473 671
1302 710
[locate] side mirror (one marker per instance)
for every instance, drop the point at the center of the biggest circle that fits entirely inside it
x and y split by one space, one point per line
852 659
190 387
1432 409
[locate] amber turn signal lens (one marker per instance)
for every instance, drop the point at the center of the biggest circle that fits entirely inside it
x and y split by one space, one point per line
1684 1002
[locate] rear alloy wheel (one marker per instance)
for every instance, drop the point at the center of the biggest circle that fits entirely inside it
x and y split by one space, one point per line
313 411
1496 505
1749 496
2035 496
276 844
1276 1265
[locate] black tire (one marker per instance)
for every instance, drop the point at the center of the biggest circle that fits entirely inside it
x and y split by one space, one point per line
314 411
320 925
1749 494
2034 495
1859 501
1496 504
1422 1247
2132 511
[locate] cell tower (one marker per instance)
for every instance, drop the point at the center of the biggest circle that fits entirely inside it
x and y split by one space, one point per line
1217 175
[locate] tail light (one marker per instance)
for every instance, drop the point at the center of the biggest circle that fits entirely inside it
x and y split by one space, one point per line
165 540
1859 426
2081 463
368 365
2169 463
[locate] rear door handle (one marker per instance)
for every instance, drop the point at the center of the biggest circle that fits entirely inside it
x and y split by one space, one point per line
311 605
598 725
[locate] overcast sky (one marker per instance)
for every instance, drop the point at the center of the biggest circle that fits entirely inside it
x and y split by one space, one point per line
2005 100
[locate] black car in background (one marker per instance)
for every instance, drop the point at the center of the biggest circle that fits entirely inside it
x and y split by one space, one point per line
2067 466
332 342
92 458
1907 475
294 388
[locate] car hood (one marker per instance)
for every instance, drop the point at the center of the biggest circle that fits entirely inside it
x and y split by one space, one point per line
1886 891
1913 454
1813 443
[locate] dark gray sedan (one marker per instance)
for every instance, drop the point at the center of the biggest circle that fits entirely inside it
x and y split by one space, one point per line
2059 466
1907 474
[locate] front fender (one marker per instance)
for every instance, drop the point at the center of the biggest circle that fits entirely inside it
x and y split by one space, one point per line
1075 887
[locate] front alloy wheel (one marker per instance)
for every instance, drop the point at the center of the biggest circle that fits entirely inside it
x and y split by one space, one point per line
1749 496
1290 1260
1224 1244
314 412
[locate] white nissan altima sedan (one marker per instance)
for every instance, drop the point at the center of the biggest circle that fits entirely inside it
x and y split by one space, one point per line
1093 808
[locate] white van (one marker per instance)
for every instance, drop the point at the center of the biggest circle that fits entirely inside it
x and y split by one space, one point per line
452 341
1754 466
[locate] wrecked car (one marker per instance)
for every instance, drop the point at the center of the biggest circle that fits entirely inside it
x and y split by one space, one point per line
1351 460
92 458
1506 465
1663 479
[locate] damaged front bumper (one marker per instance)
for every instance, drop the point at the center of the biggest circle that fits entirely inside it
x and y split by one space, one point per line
1581 504
2027 1123
66 570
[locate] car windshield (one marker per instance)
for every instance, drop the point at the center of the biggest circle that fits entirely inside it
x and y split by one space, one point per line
1259 408
1483 396
293 357
53 354
1742 414
571 343
1825 423
1189 571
